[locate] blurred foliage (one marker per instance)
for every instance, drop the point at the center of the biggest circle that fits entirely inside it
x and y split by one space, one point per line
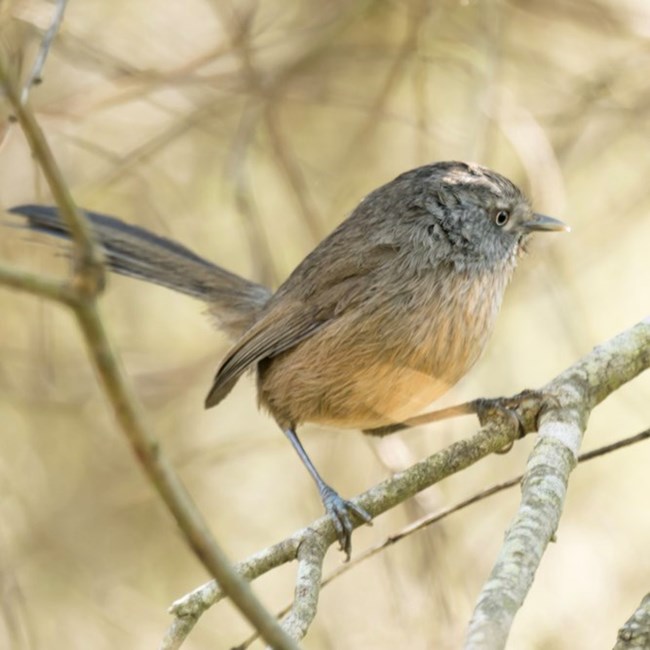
247 130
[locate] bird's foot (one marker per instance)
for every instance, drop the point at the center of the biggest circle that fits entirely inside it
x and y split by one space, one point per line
339 511
524 409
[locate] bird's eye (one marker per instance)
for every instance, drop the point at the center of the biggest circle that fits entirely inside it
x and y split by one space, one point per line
501 218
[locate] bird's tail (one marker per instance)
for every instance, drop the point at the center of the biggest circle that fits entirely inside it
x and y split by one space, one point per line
138 253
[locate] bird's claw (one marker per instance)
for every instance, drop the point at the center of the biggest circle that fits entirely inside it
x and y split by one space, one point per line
339 511
524 409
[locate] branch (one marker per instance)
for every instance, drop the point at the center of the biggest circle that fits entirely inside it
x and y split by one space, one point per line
81 295
37 285
493 437
586 383
443 513
89 276
576 392
636 631
308 584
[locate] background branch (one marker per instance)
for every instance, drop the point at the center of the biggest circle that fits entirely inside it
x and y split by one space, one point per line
35 76
81 296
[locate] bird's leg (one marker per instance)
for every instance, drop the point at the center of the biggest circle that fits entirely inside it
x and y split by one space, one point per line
337 507
525 407
466 408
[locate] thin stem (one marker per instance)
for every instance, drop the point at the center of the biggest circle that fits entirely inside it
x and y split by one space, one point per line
48 38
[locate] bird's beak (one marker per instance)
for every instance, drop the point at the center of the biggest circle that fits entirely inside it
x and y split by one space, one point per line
542 223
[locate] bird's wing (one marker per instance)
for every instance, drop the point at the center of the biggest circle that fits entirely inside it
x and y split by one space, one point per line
288 321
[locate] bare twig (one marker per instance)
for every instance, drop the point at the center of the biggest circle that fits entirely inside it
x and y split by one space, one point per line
37 285
89 277
48 38
81 294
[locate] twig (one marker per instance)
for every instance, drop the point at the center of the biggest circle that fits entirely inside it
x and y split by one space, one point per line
188 609
48 38
89 276
83 289
614 446
37 285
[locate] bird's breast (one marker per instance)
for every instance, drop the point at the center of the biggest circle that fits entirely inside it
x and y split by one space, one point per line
384 364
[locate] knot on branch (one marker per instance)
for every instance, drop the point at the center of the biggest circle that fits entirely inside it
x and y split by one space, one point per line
89 278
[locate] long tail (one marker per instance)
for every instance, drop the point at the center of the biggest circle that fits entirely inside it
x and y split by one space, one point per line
133 251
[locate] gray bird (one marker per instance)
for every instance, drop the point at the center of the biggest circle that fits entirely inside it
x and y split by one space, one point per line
379 320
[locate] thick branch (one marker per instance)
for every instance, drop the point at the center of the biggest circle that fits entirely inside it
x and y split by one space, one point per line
635 634
308 583
576 391
543 490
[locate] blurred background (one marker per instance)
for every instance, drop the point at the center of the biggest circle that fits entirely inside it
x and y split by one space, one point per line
247 130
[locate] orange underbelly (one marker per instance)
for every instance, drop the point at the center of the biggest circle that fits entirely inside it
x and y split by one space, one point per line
381 395
348 393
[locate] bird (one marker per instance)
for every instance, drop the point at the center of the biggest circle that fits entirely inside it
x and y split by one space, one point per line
387 313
